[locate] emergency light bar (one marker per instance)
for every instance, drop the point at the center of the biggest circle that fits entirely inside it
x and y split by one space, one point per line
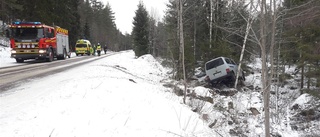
26 23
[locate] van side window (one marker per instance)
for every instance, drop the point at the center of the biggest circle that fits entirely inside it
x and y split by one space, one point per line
214 64
230 61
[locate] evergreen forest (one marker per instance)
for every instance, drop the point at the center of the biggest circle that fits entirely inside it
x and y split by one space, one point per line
284 32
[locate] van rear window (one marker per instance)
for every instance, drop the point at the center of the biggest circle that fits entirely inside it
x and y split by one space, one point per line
81 45
214 63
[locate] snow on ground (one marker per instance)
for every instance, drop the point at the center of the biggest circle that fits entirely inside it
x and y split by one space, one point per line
5 59
121 95
116 96
5 54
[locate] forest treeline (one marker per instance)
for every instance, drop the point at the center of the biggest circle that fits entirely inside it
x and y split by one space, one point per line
286 33
212 28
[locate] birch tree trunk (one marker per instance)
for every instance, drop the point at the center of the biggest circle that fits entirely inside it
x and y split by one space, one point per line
249 22
182 49
211 18
195 39
265 91
273 33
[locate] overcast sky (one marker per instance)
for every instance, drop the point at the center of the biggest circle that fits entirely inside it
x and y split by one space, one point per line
125 11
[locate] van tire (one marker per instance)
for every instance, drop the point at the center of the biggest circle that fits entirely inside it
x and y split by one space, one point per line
232 79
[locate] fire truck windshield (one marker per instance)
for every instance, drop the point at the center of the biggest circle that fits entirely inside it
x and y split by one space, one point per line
27 33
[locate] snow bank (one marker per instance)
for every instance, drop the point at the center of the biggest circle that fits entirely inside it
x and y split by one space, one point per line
5 60
101 101
4 42
302 101
202 91
150 63
256 64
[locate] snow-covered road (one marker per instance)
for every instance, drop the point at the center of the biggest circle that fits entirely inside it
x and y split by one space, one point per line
115 96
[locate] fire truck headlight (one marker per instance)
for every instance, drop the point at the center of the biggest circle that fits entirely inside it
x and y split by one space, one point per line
13 51
42 51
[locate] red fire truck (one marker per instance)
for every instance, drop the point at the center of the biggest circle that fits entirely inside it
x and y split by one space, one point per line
34 40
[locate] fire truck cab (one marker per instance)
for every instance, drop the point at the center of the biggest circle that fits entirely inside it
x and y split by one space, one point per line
34 40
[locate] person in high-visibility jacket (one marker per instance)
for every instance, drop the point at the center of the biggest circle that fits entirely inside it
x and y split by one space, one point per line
98 49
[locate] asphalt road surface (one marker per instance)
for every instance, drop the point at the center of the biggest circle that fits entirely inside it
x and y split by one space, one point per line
13 75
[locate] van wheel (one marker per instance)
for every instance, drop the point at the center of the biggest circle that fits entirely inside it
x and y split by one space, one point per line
232 80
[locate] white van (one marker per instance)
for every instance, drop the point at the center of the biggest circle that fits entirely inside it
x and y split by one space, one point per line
222 69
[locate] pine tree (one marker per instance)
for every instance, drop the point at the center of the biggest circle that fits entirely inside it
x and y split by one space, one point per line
140 31
9 10
86 31
303 32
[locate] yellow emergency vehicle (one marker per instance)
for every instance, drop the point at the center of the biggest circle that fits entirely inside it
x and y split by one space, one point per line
83 47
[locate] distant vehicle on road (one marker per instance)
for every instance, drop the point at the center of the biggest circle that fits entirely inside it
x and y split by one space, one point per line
83 47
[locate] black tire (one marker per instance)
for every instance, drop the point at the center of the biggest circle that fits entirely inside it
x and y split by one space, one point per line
20 60
50 56
232 80
64 56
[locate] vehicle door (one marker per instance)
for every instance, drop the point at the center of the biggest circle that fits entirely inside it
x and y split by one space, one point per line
215 69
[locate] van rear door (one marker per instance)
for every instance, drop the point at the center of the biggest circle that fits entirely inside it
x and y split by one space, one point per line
215 68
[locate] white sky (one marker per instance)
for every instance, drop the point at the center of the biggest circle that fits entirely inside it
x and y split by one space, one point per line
125 11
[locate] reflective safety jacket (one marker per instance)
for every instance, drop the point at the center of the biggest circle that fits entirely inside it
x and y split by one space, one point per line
98 47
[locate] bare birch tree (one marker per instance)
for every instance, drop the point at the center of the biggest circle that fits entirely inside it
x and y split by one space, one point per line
248 27
264 71
181 39
211 18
